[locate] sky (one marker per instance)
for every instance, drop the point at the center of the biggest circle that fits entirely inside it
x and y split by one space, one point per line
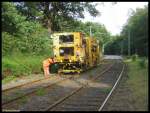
114 16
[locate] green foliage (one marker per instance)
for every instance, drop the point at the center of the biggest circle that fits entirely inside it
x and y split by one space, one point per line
7 43
41 92
21 64
114 45
28 36
22 35
142 63
138 82
23 100
29 10
11 19
25 39
134 57
8 79
138 26
106 90
98 30
54 15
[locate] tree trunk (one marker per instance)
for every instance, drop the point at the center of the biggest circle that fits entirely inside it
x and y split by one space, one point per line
49 26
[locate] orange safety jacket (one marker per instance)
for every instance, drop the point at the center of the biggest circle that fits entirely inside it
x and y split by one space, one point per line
47 62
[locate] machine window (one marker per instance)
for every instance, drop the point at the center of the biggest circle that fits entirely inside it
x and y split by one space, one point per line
66 39
66 51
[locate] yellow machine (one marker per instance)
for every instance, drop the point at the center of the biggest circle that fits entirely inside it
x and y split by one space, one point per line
74 52
92 51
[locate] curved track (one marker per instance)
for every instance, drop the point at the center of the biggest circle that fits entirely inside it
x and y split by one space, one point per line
88 97
14 99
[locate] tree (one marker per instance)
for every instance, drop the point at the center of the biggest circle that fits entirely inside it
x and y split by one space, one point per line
55 13
11 19
114 45
137 24
21 35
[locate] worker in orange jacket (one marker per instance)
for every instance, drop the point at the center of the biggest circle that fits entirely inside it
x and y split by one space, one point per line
46 64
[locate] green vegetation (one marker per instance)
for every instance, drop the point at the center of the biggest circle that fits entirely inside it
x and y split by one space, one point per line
106 90
7 98
138 82
41 92
23 100
21 65
17 94
137 28
27 26
56 16
8 79
26 29
134 57
142 63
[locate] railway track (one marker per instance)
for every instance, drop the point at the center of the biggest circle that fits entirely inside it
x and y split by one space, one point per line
86 97
32 92
25 84
27 94
28 83
110 93
83 88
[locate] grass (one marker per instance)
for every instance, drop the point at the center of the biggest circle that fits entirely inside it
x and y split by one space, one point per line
23 100
106 90
41 92
8 79
17 94
20 65
138 82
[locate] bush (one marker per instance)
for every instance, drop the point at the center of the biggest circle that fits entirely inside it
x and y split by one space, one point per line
8 43
128 57
134 57
22 64
142 63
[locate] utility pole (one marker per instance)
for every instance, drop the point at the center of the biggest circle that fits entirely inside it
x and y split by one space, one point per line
122 48
103 44
129 52
103 48
90 32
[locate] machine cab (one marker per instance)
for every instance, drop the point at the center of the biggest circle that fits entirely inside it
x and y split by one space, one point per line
68 47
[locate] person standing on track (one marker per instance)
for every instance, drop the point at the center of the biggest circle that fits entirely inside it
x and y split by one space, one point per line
46 65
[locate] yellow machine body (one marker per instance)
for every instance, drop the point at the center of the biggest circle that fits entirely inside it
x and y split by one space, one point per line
92 51
74 52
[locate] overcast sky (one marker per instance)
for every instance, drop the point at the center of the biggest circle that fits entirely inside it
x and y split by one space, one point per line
114 16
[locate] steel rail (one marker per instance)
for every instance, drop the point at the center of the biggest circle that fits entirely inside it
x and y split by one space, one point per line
106 99
25 84
76 90
19 97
